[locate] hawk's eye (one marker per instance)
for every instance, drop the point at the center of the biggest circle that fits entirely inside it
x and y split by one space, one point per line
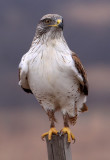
47 21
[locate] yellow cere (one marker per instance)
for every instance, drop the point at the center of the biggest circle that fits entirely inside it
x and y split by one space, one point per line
58 22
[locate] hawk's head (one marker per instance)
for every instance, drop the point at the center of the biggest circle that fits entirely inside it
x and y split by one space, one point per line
50 23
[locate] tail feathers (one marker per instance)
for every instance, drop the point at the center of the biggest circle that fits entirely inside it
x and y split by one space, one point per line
73 120
84 108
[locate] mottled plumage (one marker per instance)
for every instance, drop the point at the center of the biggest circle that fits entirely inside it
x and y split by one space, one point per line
53 73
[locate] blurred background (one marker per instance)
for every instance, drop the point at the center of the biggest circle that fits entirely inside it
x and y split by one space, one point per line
22 120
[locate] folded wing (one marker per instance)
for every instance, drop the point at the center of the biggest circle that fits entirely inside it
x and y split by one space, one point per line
81 74
23 75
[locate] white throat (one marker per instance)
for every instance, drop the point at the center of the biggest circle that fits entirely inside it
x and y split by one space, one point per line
50 41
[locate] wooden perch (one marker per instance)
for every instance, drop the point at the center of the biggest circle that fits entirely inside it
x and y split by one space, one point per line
58 148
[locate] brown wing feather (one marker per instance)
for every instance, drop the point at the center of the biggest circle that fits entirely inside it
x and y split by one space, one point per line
25 89
81 71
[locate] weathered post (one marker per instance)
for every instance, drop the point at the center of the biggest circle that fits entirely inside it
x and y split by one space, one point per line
58 148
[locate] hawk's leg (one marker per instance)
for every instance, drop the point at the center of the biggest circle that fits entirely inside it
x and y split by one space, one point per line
52 130
66 128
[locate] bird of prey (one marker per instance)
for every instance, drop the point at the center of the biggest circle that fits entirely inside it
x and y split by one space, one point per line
54 74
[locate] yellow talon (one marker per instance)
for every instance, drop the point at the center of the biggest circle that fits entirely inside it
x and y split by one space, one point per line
49 133
69 133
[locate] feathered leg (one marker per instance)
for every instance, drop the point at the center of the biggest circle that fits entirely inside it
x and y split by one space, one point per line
66 128
52 130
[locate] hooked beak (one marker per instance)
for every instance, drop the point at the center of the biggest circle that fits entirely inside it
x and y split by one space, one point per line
58 24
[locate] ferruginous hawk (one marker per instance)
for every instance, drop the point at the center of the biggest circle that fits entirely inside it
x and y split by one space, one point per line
54 74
